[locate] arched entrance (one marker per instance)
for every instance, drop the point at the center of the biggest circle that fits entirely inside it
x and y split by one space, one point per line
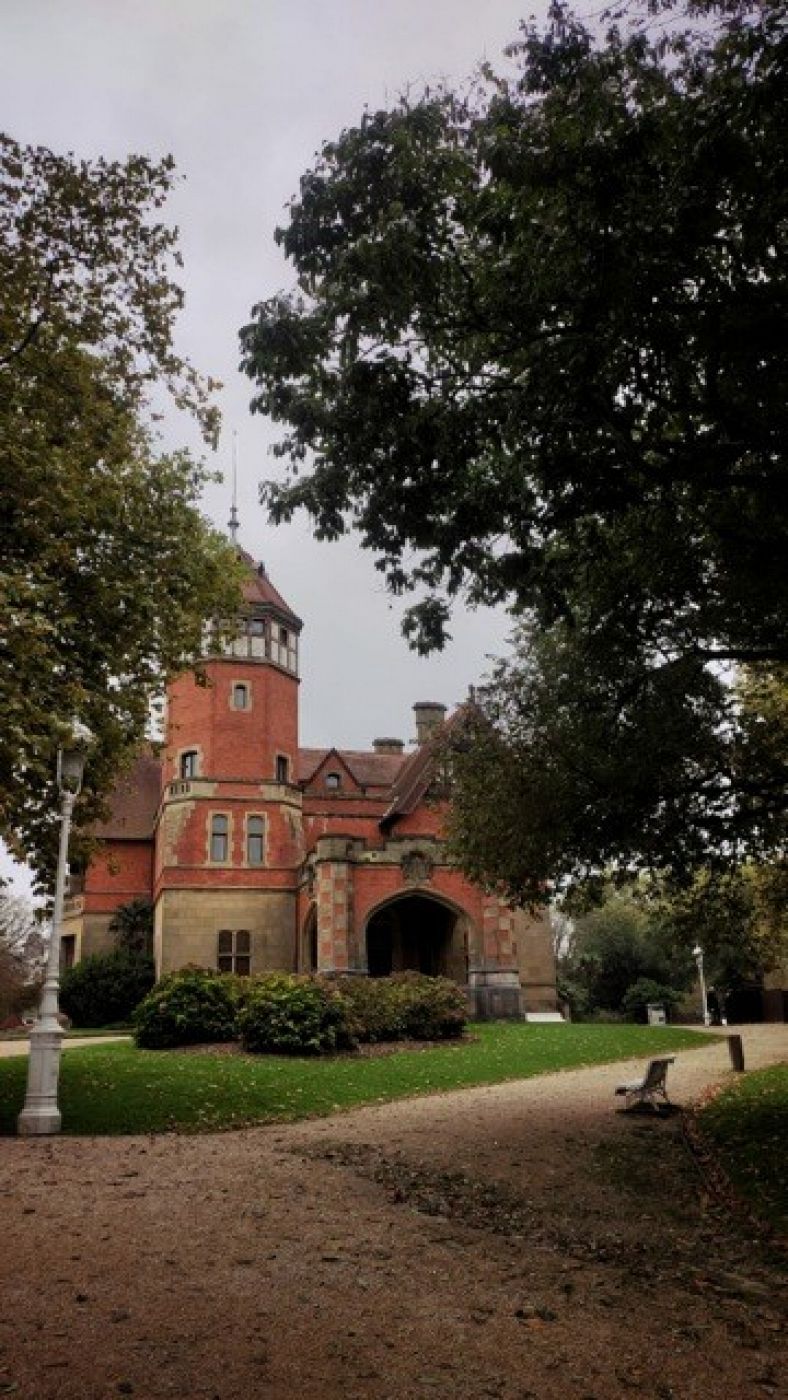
418 933
308 952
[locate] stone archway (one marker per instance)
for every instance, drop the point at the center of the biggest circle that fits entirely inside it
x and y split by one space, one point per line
418 933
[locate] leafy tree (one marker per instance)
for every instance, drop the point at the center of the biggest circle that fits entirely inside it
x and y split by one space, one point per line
22 950
617 946
132 925
739 917
107 568
537 355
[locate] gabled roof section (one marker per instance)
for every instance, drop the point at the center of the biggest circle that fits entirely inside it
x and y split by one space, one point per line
134 803
413 781
259 591
411 785
366 768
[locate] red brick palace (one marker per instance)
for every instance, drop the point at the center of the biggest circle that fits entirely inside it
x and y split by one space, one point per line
260 855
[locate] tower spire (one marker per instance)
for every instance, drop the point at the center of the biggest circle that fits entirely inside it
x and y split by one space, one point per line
233 521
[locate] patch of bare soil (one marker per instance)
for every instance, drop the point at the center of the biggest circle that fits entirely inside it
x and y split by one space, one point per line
522 1241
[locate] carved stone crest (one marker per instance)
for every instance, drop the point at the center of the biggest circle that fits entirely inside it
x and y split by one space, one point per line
416 868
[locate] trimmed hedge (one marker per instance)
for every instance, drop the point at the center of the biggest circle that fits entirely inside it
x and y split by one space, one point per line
104 990
187 1008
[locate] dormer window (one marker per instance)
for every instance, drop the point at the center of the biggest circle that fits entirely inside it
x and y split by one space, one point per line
240 696
189 764
333 782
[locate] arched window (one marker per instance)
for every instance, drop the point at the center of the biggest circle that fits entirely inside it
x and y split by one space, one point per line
189 764
240 696
220 837
255 840
333 782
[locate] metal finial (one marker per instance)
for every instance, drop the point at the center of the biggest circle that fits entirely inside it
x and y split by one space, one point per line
233 521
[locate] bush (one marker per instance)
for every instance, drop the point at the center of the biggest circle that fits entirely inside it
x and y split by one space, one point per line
406 1005
104 990
287 1014
434 1007
376 1008
645 991
187 1008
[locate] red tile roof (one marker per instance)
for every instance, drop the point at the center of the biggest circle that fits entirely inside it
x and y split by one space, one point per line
258 588
134 803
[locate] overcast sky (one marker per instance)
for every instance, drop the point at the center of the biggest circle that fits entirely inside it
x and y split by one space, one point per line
243 93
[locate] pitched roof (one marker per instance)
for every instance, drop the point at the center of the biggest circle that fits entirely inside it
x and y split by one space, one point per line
410 785
369 769
258 588
134 802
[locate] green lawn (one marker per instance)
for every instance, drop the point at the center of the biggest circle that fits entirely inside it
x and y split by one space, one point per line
748 1124
119 1089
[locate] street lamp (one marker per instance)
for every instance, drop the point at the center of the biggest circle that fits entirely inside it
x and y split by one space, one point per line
41 1113
697 954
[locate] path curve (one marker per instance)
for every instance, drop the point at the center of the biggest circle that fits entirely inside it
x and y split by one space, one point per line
518 1240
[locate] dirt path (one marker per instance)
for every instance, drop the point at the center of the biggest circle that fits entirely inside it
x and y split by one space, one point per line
517 1241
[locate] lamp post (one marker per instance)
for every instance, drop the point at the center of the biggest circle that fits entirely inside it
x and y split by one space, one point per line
41 1114
697 953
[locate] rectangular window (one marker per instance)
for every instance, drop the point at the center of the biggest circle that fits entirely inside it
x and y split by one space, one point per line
282 769
255 841
240 696
189 764
220 838
234 951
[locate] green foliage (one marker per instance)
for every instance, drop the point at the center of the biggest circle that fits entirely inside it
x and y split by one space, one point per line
434 1008
132 925
406 1005
294 1015
108 567
739 917
647 992
119 1089
748 1125
536 355
104 990
620 944
186 1008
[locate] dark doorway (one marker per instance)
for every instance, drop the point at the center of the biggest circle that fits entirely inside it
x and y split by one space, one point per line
416 934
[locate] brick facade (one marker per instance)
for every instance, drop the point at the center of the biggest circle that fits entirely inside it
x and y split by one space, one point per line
328 859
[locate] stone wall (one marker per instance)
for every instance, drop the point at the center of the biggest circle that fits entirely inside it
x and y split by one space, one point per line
188 924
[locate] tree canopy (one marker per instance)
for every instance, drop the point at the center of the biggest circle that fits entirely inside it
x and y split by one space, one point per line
537 355
107 568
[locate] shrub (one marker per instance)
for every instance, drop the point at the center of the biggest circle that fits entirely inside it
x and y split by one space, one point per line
288 1014
434 1008
644 991
186 1008
104 990
376 1008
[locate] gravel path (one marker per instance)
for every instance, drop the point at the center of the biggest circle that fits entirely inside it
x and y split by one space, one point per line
522 1240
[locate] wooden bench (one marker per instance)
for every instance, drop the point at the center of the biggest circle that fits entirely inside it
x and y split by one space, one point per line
651 1086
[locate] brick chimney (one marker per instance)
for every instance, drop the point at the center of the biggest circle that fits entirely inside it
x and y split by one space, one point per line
429 715
388 745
